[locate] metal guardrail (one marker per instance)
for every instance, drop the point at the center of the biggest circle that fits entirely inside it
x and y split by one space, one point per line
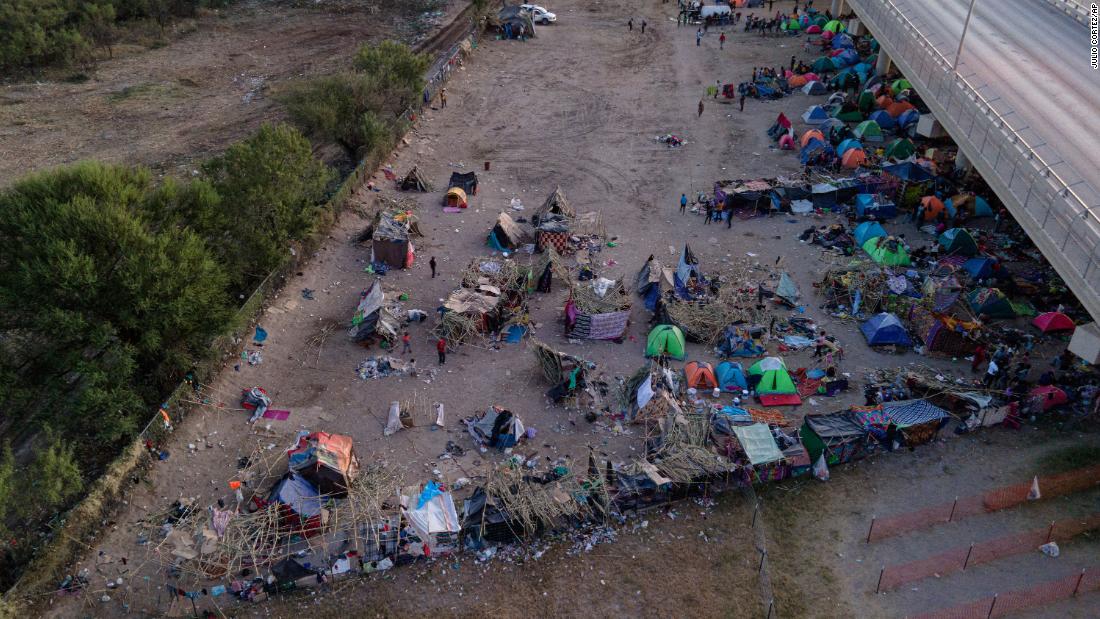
1056 217
1075 9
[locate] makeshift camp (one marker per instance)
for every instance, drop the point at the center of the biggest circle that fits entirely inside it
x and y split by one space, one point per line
327 461
868 131
840 437
372 320
455 198
665 340
958 241
506 235
699 375
901 148
430 511
815 114
496 427
872 205
389 236
1054 322
731 377
758 443
514 21
772 383
885 330
555 204
868 230
814 88
887 250
990 302
415 181
918 420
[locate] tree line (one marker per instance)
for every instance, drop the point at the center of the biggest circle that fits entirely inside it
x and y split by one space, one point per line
112 285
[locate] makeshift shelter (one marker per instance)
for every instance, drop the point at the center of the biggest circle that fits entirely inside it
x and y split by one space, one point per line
506 235
885 330
758 443
699 375
781 126
918 420
513 20
773 385
901 148
653 280
390 243
828 125
787 290
371 318
1054 322
467 182
431 513
496 427
887 250
415 181
455 198
553 231
786 142
811 135
842 41
933 206
868 230
869 205
731 377
853 159
687 271
840 437
976 205
597 310
814 29
815 88
958 241
868 131
899 108
300 503
739 342
816 152
847 112
908 171
822 65
325 460
941 333
555 204
665 340
990 302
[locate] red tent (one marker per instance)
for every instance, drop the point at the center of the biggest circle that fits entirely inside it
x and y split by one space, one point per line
1051 396
1053 322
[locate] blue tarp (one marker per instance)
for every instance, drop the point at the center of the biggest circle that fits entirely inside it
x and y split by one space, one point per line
731 377
297 494
867 204
908 171
843 40
867 231
883 329
979 268
431 490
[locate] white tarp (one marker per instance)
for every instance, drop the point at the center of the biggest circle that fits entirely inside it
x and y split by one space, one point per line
758 443
645 391
393 421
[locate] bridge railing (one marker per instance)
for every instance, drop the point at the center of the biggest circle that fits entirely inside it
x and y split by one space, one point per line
1059 219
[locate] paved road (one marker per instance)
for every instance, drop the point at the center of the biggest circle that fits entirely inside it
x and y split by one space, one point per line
1033 62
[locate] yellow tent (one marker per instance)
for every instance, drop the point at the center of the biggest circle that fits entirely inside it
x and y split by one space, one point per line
455 197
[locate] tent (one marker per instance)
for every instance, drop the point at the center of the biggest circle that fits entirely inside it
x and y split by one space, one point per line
796 81
415 181
959 242
665 340
884 120
845 58
933 206
901 148
815 87
758 443
885 329
787 290
908 118
868 204
815 114
834 26
814 29
822 65
389 236
811 134
842 41
869 131
840 437
887 250
1053 322
982 208
327 461
781 126
686 269
431 513
506 235
496 427
1049 396
455 198
829 124
900 85
908 171
555 204
774 386
786 142
898 108
868 230
699 375
731 377
847 145
816 152
853 159
466 182
848 112
792 25
371 318
979 268
990 302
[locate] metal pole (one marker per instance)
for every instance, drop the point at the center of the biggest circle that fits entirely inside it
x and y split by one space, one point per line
763 553
1078 585
992 605
953 505
878 587
872 528
1050 531
966 25
967 560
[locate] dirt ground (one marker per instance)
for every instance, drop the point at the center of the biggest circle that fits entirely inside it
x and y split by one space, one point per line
578 106
173 106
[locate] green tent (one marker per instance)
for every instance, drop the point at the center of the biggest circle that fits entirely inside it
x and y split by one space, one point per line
901 148
866 101
887 250
834 26
665 340
900 85
850 115
820 20
868 131
793 25
991 302
774 378
958 241
821 65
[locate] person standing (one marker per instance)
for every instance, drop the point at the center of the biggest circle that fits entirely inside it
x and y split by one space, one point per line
630 24
710 213
443 98
406 342
792 64
979 358
643 25
698 37
683 203
991 373
742 102
820 344
431 263
700 107
722 41
717 88
441 348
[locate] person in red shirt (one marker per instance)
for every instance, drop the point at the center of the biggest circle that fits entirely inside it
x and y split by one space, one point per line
441 348
722 41
406 343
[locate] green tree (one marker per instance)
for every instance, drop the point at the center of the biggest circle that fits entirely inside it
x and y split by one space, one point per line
397 71
7 486
54 478
99 26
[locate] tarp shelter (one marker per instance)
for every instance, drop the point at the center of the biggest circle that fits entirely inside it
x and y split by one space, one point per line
466 182
1049 396
933 206
901 148
815 87
810 135
839 436
908 171
887 250
665 340
979 268
868 131
918 420
298 495
1054 322
774 378
415 181
990 302
496 427
868 230
958 241
700 375
869 204
455 198
847 145
390 244
431 513
555 204
787 290
371 318
758 443
653 280
885 330
853 159
884 120
506 235
687 268
327 461
731 377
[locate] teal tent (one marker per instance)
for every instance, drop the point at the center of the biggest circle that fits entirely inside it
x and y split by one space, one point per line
868 230
959 242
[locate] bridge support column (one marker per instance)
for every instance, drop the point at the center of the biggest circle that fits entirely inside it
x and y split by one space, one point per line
883 64
836 8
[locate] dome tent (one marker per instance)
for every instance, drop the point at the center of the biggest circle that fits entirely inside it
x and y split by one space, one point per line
700 375
731 377
884 330
887 250
665 340
868 230
773 384
1053 322
958 241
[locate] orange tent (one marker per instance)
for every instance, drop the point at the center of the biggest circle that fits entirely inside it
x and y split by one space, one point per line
933 206
897 108
884 101
811 134
853 158
700 375
796 80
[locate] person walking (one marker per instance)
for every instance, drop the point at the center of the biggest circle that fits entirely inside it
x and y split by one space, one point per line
722 41
431 263
441 348
979 358
683 203
991 373
698 37
630 24
406 342
643 25
742 102
820 344
443 97
700 107
710 213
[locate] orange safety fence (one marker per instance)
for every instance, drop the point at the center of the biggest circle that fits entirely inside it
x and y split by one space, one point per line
963 557
1004 604
999 498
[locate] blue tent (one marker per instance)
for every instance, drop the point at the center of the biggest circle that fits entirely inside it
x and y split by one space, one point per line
883 118
908 171
982 208
829 124
979 268
731 377
908 117
868 230
813 149
848 145
493 242
814 115
883 329
866 204
846 58
843 40
297 494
